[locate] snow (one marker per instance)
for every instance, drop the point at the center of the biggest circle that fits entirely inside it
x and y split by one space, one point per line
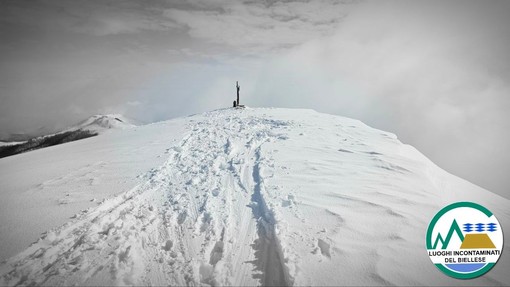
231 197
42 189
2 143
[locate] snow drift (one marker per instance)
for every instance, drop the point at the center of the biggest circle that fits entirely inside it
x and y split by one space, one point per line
253 197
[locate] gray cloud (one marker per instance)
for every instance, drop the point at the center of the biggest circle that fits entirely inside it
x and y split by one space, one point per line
89 17
258 25
435 73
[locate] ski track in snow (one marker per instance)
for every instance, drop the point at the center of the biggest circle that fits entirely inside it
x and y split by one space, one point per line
201 218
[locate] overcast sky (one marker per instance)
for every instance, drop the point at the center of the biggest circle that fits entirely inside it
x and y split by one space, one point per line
436 73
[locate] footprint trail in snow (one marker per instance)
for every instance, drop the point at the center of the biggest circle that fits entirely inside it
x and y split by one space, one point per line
263 197
199 219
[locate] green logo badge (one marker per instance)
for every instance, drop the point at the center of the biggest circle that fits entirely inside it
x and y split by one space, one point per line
464 240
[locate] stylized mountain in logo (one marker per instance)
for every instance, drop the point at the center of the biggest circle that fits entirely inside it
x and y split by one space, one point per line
454 228
480 240
470 241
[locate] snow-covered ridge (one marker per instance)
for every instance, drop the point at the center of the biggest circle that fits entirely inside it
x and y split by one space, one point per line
258 197
2 143
100 123
92 126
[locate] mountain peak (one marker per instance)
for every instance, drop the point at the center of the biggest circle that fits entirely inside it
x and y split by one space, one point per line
99 123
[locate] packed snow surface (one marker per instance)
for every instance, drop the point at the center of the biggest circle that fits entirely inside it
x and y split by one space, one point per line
234 197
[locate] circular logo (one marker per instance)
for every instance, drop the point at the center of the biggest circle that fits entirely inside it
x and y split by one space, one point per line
464 240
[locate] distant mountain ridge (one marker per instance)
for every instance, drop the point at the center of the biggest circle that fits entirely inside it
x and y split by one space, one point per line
100 123
90 127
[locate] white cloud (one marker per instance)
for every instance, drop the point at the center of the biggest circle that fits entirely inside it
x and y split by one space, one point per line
433 73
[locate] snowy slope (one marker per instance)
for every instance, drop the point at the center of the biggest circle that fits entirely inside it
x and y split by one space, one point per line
247 197
42 189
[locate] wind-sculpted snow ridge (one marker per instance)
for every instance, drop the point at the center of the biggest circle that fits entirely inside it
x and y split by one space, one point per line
199 219
264 197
